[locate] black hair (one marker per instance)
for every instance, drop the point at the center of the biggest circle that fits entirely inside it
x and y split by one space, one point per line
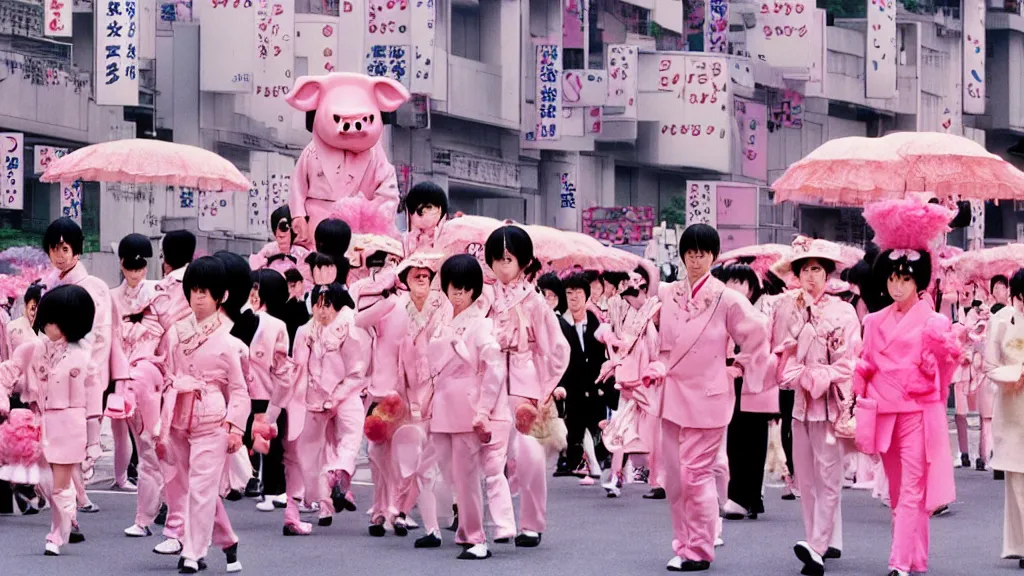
34 293
293 275
1017 285
319 260
614 278
592 275
577 282
827 264
206 273
552 282
700 237
873 290
518 243
463 272
273 290
632 291
376 260
279 214
65 230
238 276
424 193
772 285
997 279
69 307
333 237
920 270
746 275
333 294
179 247
133 251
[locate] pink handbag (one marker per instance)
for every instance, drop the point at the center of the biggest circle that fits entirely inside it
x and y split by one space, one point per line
866 413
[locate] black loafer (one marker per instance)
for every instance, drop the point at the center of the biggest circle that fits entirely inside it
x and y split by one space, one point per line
341 501
253 488
428 541
325 521
655 494
833 554
376 530
234 496
465 555
524 541
692 566
181 566
76 535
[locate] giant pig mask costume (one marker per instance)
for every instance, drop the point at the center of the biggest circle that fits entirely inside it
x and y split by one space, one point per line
344 172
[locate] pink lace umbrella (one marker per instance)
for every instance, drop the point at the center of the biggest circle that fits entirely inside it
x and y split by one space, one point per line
980 266
139 161
763 255
855 171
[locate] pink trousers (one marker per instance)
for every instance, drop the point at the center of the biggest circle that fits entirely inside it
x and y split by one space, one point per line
905 467
386 484
688 458
120 430
819 476
494 455
143 424
199 457
330 441
294 483
414 471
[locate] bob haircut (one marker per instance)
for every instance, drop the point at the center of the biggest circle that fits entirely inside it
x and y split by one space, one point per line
292 275
1017 285
273 290
238 275
281 213
332 237
552 282
333 294
920 270
69 307
630 291
65 230
463 272
614 278
577 281
700 238
996 280
425 193
34 293
206 273
133 251
179 247
518 243
377 259
828 265
743 274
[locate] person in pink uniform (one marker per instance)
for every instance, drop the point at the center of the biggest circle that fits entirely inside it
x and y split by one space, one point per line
282 254
336 356
179 248
63 242
426 207
905 369
53 370
205 407
632 341
20 329
139 333
968 377
536 354
470 419
818 336
698 317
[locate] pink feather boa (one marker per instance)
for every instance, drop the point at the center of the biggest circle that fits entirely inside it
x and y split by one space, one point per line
21 439
907 224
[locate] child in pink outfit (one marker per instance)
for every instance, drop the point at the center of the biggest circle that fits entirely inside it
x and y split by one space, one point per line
282 254
52 370
536 355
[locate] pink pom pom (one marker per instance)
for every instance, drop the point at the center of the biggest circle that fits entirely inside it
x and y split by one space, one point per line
376 429
391 408
21 439
365 217
907 224
526 417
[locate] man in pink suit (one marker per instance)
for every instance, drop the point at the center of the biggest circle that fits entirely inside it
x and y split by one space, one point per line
697 319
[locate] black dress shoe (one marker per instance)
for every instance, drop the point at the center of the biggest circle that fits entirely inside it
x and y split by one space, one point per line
979 465
941 511
428 541
161 516
965 461
466 555
502 540
325 521
377 530
998 475
181 566
76 535
692 566
655 494
525 541
254 488
231 557
833 554
562 472
234 496
399 525
341 501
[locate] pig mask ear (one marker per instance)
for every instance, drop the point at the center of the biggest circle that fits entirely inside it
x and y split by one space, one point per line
305 96
390 94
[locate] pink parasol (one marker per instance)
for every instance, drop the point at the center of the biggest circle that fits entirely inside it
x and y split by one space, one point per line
856 170
980 266
763 255
139 161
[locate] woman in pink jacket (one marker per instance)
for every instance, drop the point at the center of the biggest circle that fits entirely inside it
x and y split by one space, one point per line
335 357
205 407
52 369
903 380
698 317
282 254
536 356
20 330
818 336
139 333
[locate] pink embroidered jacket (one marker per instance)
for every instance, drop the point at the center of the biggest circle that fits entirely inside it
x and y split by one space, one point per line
205 381
296 258
107 361
828 345
140 340
632 341
385 324
337 358
468 373
694 331
271 371
175 308
415 373
537 354
52 374
19 331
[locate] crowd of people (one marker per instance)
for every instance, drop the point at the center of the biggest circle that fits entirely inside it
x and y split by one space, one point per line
470 378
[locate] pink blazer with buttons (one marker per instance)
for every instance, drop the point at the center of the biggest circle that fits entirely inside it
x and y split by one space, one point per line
415 373
338 361
271 371
59 387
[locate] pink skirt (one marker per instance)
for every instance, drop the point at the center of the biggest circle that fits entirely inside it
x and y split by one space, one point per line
64 435
628 429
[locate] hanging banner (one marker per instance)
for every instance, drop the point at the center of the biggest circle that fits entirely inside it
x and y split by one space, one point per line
117 75
279 175
737 205
716 30
216 211
623 70
619 224
13 188
275 62
548 97
421 79
787 109
568 211
974 57
259 216
71 200
779 39
881 59
44 155
226 38
698 132
752 119
389 61
387 22
702 203
574 23
171 11
581 88
57 18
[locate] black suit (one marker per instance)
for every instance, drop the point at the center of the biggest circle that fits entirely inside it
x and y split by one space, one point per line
586 403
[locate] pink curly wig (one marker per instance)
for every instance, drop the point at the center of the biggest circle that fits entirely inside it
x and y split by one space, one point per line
21 439
364 217
907 224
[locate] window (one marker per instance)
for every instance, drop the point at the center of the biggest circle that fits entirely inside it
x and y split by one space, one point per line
466 32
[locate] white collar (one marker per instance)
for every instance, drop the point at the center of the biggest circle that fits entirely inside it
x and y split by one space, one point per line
178 274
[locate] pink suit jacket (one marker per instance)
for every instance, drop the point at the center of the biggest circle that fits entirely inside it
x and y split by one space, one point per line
694 333
19 331
338 361
415 375
140 341
53 373
271 371
385 323
293 398
468 370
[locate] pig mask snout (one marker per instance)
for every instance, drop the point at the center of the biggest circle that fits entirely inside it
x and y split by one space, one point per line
354 124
